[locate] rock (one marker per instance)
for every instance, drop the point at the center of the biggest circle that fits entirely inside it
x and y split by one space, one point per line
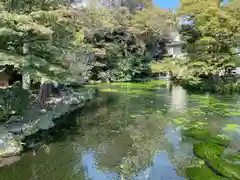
46 123
14 118
207 150
74 100
31 127
3 131
9 146
202 172
15 127
18 128
8 161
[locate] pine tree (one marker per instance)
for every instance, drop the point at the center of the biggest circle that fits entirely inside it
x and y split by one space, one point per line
34 37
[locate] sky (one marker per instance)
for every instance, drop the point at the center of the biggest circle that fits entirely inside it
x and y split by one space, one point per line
167 3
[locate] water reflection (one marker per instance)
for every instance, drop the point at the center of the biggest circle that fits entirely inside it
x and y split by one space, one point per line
92 171
173 134
161 169
178 99
131 132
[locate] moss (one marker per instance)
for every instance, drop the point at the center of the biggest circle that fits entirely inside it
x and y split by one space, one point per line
225 168
232 157
204 135
109 90
207 150
146 85
234 113
201 173
232 127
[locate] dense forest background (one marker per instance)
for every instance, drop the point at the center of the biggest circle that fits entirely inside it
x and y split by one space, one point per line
64 41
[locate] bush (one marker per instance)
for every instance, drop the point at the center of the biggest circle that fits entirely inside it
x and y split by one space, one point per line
14 100
130 68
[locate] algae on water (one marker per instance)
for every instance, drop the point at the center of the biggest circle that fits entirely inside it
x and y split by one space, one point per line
207 150
204 135
225 168
202 173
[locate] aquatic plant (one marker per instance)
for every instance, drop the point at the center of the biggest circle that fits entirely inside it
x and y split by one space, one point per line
232 127
225 168
210 148
207 151
206 136
200 173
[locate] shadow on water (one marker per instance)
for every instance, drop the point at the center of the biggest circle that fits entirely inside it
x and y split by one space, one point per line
66 125
135 131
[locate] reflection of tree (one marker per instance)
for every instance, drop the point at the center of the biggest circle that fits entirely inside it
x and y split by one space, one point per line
130 132
56 164
55 161
126 134
126 145
148 139
178 99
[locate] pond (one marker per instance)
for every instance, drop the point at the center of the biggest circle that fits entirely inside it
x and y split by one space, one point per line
139 131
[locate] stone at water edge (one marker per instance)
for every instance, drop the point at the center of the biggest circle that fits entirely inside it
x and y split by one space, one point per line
15 127
9 146
15 118
8 161
15 130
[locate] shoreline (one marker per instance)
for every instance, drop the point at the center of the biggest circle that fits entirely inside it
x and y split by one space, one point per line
18 128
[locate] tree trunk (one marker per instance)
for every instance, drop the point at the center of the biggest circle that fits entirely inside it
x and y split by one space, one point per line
216 78
44 93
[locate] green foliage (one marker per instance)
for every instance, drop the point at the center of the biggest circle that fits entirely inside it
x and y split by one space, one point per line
225 168
204 135
118 56
13 100
28 45
120 40
211 41
202 172
47 38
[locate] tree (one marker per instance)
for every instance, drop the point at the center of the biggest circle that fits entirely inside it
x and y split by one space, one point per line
35 36
114 35
44 39
211 38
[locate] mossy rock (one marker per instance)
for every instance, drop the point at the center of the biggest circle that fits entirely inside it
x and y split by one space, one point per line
207 150
204 135
201 173
225 168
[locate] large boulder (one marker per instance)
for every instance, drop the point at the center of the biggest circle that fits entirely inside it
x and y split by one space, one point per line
9 146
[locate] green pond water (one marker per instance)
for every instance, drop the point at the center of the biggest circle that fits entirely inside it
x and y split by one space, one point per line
139 131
